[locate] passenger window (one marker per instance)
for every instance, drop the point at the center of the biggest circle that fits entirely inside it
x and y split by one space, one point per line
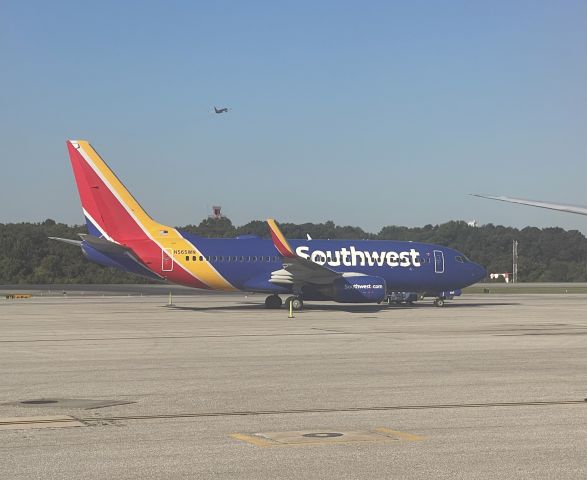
254 259
201 258
194 258
187 258
242 259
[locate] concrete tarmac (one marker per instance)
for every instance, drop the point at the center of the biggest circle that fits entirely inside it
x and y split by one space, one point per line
218 387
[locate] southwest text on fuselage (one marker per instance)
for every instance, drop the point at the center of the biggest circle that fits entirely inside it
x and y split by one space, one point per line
351 257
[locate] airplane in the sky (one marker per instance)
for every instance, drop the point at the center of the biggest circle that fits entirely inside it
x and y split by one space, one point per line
561 207
220 110
122 235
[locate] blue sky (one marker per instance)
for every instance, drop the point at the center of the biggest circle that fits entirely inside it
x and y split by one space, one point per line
365 113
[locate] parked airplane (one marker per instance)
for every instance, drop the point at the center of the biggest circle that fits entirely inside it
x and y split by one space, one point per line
561 207
220 110
122 235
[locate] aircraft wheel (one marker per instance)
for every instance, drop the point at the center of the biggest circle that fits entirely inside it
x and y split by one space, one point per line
439 302
297 303
273 301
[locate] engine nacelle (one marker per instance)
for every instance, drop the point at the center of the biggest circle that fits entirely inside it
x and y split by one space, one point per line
359 289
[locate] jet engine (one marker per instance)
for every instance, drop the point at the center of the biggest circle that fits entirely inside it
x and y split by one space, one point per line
360 288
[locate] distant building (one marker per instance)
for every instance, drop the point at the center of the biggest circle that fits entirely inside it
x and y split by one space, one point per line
216 214
472 223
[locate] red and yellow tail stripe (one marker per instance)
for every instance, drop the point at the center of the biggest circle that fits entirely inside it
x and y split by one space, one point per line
280 242
116 213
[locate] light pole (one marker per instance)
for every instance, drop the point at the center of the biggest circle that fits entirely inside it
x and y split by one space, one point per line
515 261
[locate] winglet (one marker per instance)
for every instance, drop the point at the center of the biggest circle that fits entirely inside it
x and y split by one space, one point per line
281 244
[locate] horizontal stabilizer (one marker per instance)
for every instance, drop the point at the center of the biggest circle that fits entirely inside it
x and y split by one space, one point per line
112 254
104 246
77 243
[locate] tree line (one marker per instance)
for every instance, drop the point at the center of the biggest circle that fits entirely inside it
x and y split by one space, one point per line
28 256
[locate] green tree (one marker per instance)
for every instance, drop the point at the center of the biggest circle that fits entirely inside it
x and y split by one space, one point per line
551 254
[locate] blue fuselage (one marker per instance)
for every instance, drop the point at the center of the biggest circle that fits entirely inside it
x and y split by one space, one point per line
405 266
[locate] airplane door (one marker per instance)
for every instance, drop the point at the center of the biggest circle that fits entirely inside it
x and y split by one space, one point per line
167 259
438 261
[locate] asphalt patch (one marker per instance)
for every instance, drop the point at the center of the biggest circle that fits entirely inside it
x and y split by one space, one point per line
321 437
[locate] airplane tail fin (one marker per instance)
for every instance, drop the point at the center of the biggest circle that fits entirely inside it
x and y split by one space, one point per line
110 210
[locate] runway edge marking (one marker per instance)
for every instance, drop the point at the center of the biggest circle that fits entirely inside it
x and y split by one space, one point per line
28 423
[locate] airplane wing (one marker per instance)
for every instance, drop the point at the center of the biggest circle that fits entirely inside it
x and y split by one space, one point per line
551 206
296 269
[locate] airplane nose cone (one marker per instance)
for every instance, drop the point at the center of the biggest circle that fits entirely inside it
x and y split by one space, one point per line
479 272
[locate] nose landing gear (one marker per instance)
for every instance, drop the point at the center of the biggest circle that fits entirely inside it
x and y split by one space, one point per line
439 302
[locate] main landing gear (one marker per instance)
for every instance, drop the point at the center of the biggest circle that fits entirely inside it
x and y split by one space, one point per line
297 303
274 302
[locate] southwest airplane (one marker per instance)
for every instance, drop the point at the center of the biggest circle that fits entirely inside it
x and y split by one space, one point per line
122 235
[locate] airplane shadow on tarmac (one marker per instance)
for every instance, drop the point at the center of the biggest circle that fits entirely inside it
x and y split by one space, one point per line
340 308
